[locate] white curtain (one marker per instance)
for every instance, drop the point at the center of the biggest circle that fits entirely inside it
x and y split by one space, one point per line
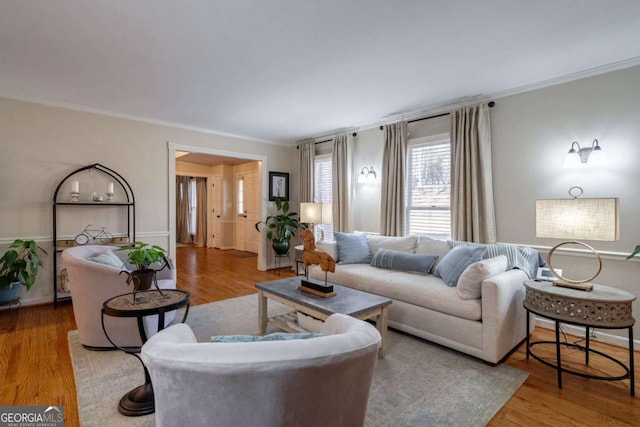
392 213
472 209
306 160
342 187
183 234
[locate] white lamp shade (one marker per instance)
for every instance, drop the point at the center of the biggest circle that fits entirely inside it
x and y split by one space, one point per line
311 213
597 157
578 219
571 160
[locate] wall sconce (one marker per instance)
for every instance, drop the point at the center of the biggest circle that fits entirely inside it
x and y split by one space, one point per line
576 157
367 175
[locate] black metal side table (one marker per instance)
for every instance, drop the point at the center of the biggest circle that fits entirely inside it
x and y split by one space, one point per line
140 400
604 307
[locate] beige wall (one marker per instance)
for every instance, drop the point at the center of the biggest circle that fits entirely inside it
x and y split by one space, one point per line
40 145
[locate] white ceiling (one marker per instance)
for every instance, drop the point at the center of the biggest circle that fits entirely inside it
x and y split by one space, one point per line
281 70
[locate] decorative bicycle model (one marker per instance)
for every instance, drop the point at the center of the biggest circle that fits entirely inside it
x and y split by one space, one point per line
88 234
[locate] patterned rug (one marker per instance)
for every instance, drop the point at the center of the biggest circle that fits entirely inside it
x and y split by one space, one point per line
417 384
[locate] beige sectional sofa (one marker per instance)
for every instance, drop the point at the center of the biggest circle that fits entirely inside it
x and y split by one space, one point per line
488 327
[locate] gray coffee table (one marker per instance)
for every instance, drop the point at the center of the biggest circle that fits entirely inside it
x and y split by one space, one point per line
358 304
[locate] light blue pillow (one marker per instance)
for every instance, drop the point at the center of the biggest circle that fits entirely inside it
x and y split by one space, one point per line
277 336
107 258
524 258
456 261
353 248
403 261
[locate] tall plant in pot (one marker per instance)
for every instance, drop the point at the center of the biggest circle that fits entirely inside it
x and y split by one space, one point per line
280 227
19 266
143 256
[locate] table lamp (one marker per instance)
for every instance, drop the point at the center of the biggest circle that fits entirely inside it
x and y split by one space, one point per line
574 219
316 214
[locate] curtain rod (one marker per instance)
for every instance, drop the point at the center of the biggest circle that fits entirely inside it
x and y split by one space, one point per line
491 104
326 140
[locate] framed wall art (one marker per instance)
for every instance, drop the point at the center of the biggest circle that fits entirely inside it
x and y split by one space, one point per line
278 186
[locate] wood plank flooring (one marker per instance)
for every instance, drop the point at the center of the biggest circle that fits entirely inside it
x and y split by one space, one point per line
35 366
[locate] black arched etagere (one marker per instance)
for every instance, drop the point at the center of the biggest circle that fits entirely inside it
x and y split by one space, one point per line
127 202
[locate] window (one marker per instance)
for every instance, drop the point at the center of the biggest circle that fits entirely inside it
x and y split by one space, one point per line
322 188
428 210
240 210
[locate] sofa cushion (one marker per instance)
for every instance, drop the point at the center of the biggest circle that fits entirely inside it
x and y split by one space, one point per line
353 248
429 246
423 291
470 282
403 261
329 247
455 262
402 244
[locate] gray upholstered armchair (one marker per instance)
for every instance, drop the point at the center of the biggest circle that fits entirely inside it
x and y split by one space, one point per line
321 381
91 284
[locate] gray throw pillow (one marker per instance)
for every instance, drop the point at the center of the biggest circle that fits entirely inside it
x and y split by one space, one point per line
353 248
456 261
403 261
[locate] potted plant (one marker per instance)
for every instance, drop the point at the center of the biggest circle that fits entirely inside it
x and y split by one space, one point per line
19 266
635 252
280 227
143 255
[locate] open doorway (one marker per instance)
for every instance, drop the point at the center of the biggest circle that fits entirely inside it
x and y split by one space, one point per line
228 211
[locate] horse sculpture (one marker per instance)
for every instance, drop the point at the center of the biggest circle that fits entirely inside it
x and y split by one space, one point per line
311 256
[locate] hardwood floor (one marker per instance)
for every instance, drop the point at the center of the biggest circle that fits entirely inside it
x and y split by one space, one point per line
35 365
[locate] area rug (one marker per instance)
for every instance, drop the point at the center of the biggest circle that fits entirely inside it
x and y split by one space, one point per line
417 384
241 254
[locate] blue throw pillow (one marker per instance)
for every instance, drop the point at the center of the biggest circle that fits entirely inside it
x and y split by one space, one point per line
107 258
456 261
524 258
353 248
403 261
277 336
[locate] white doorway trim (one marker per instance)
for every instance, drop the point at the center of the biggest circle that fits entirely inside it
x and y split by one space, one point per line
172 148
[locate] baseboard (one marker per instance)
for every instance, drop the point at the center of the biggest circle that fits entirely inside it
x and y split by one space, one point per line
579 331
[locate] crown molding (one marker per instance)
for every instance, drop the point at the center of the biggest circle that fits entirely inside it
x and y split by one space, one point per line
462 102
615 66
108 113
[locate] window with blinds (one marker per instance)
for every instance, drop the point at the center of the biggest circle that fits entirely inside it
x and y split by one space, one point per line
322 188
428 186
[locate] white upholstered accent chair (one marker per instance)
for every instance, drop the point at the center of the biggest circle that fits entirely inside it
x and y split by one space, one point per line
93 283
321 381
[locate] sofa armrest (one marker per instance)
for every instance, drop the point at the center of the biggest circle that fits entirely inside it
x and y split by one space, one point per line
503 316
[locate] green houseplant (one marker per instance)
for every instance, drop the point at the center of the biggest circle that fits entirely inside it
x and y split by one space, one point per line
19 266
635 252
143 255
280 227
